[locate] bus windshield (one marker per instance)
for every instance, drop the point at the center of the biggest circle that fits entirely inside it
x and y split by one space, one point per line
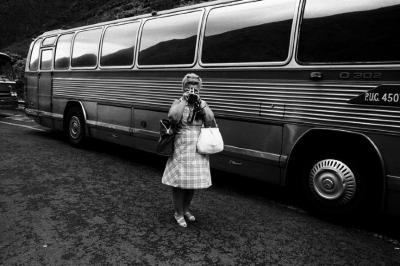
6 70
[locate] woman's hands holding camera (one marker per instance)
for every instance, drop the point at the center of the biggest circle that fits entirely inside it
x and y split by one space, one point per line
191 98
185 95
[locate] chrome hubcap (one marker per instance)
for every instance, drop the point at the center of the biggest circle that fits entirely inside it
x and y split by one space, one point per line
74 127
332 180
328 184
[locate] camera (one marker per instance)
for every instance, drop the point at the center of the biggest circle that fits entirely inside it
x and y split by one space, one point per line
193 98
193 93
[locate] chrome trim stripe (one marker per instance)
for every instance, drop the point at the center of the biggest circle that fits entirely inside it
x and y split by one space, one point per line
48 114
253 153
146 132
342 111
108 125
393 182
35 112
123 128
341 122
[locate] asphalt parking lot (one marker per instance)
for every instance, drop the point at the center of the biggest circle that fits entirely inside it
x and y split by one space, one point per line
105 205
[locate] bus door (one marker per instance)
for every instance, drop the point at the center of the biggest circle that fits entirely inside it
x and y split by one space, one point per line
45 80
31 76
31 89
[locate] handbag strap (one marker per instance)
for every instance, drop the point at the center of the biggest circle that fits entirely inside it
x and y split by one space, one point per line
215 123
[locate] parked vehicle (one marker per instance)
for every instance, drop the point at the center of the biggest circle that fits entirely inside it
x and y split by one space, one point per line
306 92
8 94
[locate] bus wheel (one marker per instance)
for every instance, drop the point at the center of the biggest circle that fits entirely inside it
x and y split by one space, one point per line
75 126
334 186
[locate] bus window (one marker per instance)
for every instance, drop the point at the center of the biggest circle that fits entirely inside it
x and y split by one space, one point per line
250 32
34 61
85 48
342 31
63 51
46 59
119 45
49 41
170 40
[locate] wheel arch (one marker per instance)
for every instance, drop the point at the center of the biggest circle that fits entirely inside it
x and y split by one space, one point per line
68 107
314 137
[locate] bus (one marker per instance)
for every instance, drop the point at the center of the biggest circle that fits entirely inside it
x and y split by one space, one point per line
306 92
8 94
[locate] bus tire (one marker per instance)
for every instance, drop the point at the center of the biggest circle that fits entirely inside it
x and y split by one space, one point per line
75 127
335 185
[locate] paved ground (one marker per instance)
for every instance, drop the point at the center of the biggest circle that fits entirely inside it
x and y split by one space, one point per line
105 204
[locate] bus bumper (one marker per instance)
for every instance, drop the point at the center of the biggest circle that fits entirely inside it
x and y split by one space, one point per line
393 195
32 113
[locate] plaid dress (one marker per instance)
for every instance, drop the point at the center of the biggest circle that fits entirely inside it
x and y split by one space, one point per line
187 168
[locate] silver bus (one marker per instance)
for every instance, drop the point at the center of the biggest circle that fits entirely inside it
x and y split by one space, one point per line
306 92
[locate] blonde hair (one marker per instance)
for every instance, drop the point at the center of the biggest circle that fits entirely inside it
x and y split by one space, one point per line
191 77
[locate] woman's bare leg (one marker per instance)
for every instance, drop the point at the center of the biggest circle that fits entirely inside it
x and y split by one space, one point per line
187 199
178 198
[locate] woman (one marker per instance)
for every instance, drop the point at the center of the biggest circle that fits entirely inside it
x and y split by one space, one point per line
186 169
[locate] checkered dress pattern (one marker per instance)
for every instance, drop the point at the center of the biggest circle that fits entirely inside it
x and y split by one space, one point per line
187 168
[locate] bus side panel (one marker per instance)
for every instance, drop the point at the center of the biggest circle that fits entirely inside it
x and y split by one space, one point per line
31 90
117 119
58 110
291 134
393 196
249 167
146 128
148 120
59 105
112 136
90 109
389 146
45 91
251 149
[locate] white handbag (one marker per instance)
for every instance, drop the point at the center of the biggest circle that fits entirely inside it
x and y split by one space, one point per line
210 140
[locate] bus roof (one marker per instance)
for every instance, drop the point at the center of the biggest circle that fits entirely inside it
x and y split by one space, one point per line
59 31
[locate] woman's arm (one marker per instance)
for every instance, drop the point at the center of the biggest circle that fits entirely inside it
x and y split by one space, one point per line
176 110
208 114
